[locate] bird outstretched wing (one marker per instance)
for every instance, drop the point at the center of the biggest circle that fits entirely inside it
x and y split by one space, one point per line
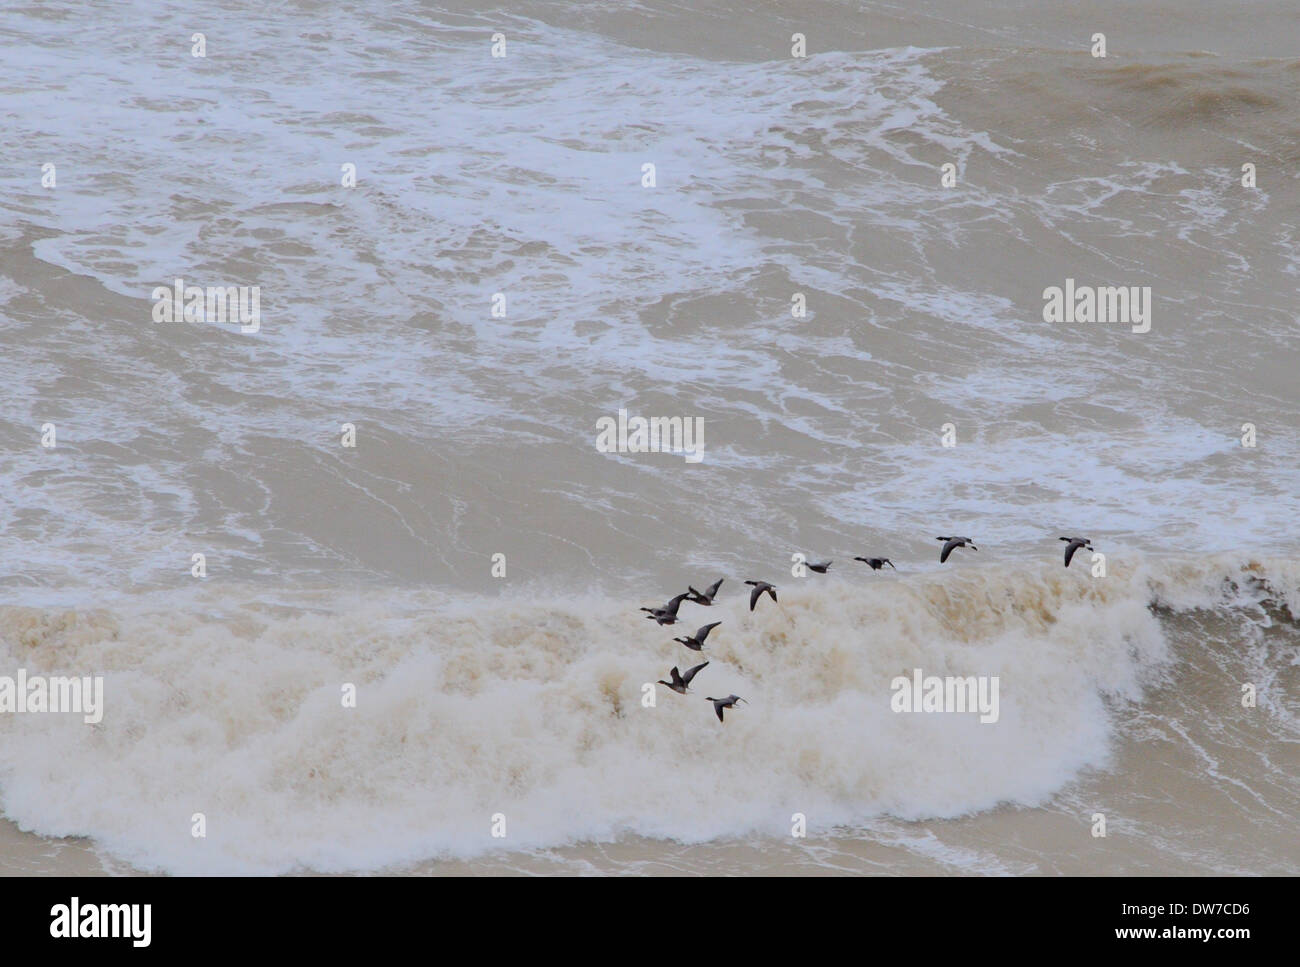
692 672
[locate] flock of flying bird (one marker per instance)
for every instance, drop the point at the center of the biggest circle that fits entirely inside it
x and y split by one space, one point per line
667 615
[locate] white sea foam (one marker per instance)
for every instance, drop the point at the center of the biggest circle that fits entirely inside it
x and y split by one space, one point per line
521 175
230 706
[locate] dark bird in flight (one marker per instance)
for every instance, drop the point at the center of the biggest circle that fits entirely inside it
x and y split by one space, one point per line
819 566
667 615
1073 544
696 641
950 543
680 681
759 588
720 703
706 596
876 563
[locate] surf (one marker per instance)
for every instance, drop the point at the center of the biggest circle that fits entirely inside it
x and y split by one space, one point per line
227 701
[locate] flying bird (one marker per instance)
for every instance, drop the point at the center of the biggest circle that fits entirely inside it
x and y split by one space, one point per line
667 615
1072 545
696 641
720 703
679 681
876 563
820 567
759 588
952 542
706 596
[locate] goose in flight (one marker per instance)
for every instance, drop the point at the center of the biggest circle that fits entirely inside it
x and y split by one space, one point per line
706 596
953 542
679 681
667 615
696 641
720 703
759 588
1073 544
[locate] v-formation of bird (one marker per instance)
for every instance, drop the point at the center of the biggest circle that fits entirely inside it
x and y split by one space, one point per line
667 615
